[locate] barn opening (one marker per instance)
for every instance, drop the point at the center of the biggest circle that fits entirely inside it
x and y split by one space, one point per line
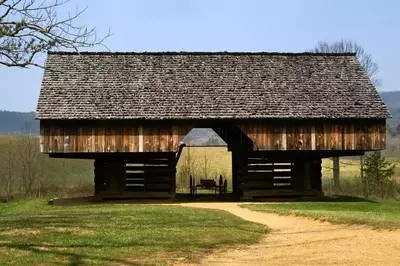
205 164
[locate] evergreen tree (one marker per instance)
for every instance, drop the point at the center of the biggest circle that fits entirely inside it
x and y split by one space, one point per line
378 176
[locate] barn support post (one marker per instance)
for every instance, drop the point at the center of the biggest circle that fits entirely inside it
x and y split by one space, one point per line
316 176
99 178
301 175
336 172
109 177
239 169
306 175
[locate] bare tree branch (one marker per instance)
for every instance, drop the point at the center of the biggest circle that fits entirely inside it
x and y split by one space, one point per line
32 27
347 46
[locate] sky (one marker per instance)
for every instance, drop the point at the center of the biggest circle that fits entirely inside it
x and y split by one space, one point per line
211 25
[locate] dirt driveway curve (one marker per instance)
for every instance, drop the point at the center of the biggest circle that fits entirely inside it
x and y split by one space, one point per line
302 241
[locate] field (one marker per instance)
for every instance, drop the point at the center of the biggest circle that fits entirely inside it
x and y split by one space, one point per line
380 214
35 233
204 162
50 177
350 167
67 177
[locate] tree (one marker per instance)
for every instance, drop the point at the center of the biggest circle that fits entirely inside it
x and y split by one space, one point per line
29 155
378 175
8 169
206 165
31 27
347 46
188 167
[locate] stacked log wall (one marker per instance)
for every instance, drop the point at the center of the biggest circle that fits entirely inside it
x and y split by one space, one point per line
143 178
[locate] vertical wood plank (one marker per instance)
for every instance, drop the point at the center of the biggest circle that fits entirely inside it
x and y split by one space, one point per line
170 140
319 137
60 138
79 138
140 132
276 133
264 140
368 136
125 139
118 132
102 139
163 139
382 133
359 137
53 140
135 139
290 136
41 138
313 146
284 144
156 139
175 138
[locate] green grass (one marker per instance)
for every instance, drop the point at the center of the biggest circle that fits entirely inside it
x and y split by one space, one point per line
34 233
380 214
350 167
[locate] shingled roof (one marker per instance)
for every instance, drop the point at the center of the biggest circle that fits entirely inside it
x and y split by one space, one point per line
222 85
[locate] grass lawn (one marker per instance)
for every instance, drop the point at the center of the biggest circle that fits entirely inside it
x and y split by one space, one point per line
34 233
380 214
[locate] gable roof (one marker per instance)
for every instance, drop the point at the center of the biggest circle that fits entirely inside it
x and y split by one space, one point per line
185 85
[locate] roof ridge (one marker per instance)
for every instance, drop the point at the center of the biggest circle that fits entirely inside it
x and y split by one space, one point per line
201 53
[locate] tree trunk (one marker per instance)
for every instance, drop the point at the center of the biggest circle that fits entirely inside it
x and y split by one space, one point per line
336 172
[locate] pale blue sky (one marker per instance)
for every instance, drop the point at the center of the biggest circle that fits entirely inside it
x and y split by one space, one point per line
183 25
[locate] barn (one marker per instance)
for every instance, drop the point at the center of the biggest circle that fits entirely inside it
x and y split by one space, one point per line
279 113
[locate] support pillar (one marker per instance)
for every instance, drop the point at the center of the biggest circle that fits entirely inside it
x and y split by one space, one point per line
109 177
239 170
99 177
316 175
306 175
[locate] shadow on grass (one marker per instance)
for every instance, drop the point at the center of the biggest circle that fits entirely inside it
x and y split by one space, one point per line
74 259
179 198
187 198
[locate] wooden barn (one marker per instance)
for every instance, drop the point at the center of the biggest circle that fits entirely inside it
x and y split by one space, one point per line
279 113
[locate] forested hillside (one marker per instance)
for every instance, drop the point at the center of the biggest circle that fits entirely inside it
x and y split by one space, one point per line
392 100
13 123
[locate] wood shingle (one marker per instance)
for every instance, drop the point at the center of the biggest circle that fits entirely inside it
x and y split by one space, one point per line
187 85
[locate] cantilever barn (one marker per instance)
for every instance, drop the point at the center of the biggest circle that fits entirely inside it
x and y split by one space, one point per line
279 113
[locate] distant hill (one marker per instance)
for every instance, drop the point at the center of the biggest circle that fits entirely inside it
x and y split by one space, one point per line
13 123
392 100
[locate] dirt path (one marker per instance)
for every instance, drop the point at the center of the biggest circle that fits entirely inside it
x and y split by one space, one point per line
302 241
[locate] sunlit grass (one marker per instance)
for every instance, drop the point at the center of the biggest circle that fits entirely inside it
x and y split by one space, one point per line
33 233
380 214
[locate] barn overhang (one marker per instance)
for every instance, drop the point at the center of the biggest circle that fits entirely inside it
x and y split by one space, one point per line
131 136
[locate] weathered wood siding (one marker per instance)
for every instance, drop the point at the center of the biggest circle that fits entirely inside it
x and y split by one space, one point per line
164 136
360 135
68 137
